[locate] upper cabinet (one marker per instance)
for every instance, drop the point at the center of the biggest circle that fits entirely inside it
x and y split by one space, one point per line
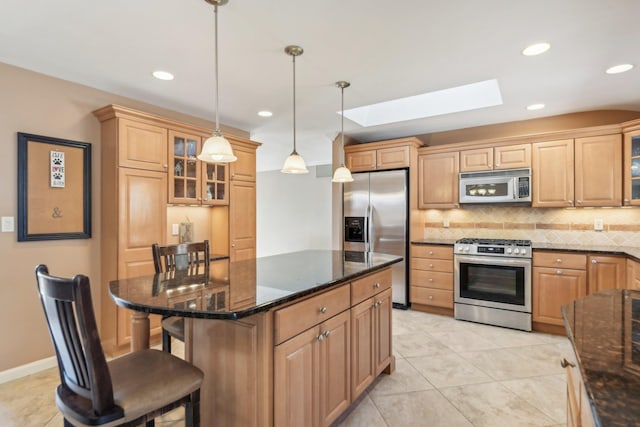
552 174
598 171
632 168
140 145
380 155
438 180
496 158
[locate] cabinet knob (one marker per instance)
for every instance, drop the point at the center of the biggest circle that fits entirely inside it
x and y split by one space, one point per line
626 200
579 202
430 279
323 310
327 333
430 265
558 271
233 245
559 260
430 296
320 337
594 261
430 252
165 166
570 202
377 285
564 363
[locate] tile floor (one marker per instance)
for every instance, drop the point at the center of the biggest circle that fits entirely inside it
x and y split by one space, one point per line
448 373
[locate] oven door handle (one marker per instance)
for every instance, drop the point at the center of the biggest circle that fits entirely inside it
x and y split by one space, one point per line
493 260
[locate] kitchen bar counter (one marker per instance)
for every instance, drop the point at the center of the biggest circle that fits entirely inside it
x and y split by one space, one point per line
604 329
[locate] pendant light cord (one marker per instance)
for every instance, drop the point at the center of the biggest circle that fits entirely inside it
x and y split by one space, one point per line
342 127
294 105
215 12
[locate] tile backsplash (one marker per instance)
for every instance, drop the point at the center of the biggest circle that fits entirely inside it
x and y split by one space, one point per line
621 226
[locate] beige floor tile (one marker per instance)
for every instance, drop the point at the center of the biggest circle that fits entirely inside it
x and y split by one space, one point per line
405 379
419 344
423 408
503 337
544 393
493 405
29 401
448 370
463 339
365 414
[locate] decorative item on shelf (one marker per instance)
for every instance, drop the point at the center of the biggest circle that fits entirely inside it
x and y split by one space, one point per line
342 174
186 231
209 195
177 169
294 163
216 149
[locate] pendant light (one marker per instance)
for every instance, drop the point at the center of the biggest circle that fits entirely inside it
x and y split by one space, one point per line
342 174
294 163
216 149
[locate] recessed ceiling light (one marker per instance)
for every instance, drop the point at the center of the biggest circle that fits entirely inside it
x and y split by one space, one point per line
265 113
534 107
162 75
451 100
621 68
536 49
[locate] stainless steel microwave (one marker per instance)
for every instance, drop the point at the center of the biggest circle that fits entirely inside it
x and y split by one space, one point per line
503 186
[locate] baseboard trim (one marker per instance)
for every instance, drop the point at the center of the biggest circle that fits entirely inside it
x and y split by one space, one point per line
28 369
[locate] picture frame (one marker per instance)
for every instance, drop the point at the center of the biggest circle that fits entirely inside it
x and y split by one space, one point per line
54 188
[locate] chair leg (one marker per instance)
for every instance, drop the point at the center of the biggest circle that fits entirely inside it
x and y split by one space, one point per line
150 423
166 341
192 410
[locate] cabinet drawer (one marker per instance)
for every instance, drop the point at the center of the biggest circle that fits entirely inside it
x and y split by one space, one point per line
428 264
429 296
432 279
366 287
432 251
560 259
292 320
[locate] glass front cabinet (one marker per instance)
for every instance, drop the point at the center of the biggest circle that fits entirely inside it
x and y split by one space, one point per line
191 181
632 168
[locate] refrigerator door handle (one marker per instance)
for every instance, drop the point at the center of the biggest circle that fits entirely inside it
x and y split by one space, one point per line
370 229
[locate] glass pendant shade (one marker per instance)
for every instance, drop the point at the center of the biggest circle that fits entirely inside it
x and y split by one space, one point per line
294 164
342 174
216 149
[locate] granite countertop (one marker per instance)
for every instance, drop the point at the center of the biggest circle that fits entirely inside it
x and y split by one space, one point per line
604 329
434 242
232 290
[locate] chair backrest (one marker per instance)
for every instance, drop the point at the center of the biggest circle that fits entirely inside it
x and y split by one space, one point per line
84 375
185 256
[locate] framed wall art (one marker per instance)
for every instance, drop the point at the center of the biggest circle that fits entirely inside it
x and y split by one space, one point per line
54 188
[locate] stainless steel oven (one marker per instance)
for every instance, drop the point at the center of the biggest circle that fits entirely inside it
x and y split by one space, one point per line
492 282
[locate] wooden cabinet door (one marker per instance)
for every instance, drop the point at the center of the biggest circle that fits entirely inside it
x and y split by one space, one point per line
438 180
480 159
359 161
243 169
335 367
553 288
631 168
391 158
362 347
382 332
242 220
606 272
598 173
552 174
215 184
184 173
296 380
512 157
142 146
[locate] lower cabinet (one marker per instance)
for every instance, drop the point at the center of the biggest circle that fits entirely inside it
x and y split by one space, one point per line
432 275
371 340
311 374
606 272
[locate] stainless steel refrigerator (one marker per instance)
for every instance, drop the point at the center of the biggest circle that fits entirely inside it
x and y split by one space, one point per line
375 211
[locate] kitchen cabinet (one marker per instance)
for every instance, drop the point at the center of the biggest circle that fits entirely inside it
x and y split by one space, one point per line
552 174
243 169
438 180
633 274
598 171
432 276
558 279
632 168
371 329
496 158
383 158
606 272
138 144
190 180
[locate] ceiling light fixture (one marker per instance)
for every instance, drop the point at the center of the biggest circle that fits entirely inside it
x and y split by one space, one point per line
536 49
294 163
162 75
617 69
216 149
265 113
534 107
342 174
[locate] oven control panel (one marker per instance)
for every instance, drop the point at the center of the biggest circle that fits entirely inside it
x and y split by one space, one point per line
500 248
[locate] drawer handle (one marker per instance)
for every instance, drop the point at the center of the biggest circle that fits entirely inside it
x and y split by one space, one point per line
564 363
430 296
377 285
323 310
327 333
431 279
594 261
559 261
558 271
430 252
320 337
430 265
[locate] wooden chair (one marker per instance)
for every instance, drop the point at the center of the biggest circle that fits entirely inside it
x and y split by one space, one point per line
185 256
126 391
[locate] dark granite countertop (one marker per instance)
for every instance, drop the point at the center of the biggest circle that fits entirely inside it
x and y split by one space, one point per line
232 290
604 329
602 249
443 242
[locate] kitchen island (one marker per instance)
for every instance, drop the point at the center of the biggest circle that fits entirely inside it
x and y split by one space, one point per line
291 339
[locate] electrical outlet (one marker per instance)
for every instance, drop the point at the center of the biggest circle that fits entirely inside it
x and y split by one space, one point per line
8 224
445 223
598 224
175 229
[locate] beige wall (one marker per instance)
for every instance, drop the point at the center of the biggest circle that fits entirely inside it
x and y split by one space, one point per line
42 105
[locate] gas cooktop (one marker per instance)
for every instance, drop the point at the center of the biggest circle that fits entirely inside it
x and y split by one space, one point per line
495 242
493 247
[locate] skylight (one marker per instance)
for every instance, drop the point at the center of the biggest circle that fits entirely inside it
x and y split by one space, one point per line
452 100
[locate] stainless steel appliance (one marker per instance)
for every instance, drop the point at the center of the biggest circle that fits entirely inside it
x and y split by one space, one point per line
492 282
502 186
376 220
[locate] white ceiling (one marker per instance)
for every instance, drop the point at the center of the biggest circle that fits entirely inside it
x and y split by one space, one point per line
386 50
